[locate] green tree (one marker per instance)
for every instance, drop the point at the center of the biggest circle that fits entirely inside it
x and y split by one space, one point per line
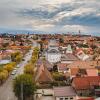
24 84
58 76
1 69
34 59
16 57
3 76
9 67
36 51
29 69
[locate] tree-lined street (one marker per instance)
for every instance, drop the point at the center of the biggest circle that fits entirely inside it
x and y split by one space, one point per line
6 90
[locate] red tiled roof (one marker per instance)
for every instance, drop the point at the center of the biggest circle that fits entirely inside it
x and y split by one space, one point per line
87 98
80 83
74 71
83 64
19 47
43 75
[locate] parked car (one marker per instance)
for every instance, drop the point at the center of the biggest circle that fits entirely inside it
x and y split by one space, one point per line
13 72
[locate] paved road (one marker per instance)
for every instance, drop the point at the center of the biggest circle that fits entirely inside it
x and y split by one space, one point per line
6 90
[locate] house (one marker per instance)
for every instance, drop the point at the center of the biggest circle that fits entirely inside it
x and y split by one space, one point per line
42 75
62 67
64 93
84 86
73 72
49 66
92 72
5 55
84 64
81 55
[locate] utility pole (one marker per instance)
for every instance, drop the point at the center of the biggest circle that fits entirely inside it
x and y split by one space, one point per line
22 91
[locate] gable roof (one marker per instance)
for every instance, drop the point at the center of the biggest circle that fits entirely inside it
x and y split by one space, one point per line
43 75
83 64
46 62
74 71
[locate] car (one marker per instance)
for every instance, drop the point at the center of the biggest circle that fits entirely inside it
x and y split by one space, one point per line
13 72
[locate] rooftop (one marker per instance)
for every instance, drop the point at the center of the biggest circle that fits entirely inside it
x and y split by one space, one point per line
80 83
64 91
43 75
83 64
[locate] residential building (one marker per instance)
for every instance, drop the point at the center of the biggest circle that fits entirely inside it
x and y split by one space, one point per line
42 75
84 86
64 93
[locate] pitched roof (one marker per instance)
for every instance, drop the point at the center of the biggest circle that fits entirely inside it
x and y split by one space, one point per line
92 72
43 75
47 63
74 71
64 91
69 57
83 64
80 83
62 66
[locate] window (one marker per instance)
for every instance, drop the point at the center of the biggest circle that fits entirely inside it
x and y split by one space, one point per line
66 98
61 98
71 98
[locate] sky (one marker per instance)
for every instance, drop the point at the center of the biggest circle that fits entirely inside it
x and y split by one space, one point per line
51 16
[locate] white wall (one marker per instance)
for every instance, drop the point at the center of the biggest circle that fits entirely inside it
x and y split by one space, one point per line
53 58
58 98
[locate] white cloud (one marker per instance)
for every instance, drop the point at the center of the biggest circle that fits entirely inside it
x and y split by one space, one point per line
9 17
80 11
57 1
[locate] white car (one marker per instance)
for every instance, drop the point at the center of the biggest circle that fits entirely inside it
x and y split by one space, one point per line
13 72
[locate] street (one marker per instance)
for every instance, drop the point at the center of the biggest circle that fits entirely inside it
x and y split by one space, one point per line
6 90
